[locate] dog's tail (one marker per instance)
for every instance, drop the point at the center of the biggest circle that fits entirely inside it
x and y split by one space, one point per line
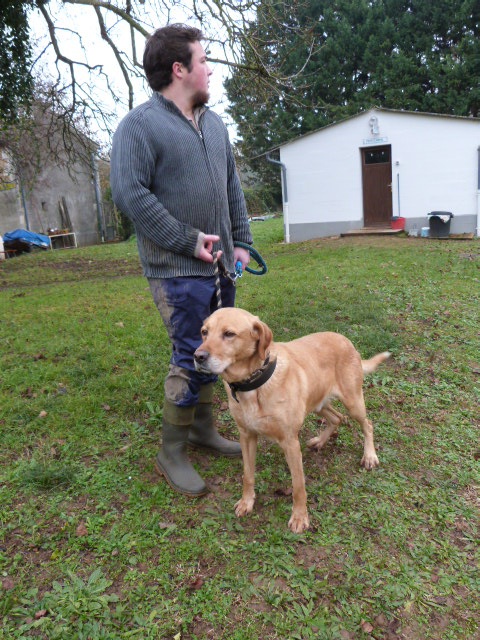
369 366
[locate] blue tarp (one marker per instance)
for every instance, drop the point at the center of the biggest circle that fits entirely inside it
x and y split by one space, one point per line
27 237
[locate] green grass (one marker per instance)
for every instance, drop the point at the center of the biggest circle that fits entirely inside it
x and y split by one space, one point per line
93 545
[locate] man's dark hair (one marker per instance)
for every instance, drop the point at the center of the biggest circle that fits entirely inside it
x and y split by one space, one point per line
164 47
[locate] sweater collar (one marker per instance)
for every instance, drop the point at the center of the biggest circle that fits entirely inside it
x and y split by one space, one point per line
171 106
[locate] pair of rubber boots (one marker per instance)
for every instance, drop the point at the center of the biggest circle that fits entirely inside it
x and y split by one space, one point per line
194 426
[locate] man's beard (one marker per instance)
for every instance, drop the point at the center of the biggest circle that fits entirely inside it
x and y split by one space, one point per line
201 98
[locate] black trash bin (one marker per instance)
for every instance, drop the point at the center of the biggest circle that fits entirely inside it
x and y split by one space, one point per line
439 222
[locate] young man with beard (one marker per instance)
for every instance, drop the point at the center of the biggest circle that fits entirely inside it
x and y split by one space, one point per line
173 174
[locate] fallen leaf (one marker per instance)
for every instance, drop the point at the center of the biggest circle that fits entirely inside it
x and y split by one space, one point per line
106 407
381 620
284 492
7 584
366 626
119 324
81 530
41 613
197 583
54 452
461 525
42 414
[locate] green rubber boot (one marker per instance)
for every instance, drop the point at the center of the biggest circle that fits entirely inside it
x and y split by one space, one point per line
172 460
203 434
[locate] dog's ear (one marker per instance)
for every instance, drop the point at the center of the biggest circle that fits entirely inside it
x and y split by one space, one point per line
264 336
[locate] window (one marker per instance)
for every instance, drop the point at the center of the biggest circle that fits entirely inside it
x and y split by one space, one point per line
377 156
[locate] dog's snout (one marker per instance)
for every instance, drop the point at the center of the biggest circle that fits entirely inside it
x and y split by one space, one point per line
201 356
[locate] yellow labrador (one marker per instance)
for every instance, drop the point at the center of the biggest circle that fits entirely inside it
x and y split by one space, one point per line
272 386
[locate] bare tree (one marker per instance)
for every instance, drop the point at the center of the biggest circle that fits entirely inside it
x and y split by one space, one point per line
81 35
41 137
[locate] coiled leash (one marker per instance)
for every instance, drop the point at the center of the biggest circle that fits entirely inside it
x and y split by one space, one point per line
256 256
219 269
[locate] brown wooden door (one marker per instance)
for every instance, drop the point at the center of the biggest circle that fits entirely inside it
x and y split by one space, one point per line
377 186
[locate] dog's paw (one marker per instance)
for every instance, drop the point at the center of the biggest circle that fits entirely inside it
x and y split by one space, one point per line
321 440
316 443
244 506
370 461
299 522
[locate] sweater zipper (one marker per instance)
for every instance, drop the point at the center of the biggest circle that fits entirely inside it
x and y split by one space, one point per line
207 159
198 127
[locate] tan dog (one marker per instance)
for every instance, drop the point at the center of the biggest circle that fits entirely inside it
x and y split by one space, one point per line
272 386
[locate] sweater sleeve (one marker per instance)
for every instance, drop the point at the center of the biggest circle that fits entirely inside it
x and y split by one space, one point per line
236 201
132 171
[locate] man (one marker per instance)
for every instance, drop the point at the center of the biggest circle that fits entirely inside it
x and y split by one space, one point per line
173 173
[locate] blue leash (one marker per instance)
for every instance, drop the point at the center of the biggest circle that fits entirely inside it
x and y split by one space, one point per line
261 264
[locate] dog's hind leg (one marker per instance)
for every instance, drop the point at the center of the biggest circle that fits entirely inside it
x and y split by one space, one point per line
358 412
334 419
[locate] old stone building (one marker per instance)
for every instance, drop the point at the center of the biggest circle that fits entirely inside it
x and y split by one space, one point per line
52 186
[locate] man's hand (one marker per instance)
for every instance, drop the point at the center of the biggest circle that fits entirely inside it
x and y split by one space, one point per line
241 255
205 252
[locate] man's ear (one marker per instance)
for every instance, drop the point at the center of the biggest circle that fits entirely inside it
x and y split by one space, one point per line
177 69
264 335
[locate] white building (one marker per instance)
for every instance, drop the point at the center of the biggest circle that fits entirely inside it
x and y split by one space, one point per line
379 165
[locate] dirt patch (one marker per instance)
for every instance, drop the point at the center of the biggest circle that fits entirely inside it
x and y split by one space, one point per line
73 270
97 267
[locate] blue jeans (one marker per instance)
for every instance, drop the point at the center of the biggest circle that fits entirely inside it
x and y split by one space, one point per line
184 303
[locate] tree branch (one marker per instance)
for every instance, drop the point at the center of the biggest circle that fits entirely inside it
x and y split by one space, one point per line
124 15
118 57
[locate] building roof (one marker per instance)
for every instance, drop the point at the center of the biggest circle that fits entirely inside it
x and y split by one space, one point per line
362 113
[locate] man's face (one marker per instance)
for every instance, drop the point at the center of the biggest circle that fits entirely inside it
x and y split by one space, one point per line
198 78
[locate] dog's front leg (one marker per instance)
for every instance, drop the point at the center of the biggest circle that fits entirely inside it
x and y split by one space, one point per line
248 442
299 520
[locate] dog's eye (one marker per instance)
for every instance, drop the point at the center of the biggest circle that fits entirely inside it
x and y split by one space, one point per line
229 334
204 332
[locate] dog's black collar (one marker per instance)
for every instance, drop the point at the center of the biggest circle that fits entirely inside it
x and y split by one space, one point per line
258 377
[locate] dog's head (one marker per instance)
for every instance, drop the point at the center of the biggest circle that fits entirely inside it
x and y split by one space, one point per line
233 340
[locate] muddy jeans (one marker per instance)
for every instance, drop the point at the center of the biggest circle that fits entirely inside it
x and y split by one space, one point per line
184 303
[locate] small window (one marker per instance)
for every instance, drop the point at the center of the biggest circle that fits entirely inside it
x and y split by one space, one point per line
377 156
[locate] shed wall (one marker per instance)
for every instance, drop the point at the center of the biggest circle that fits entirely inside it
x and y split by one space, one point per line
42 204
434 168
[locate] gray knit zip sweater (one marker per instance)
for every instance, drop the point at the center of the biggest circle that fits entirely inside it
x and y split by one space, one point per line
175 183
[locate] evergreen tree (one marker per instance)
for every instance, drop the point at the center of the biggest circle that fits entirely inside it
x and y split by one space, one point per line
402 54
16 84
